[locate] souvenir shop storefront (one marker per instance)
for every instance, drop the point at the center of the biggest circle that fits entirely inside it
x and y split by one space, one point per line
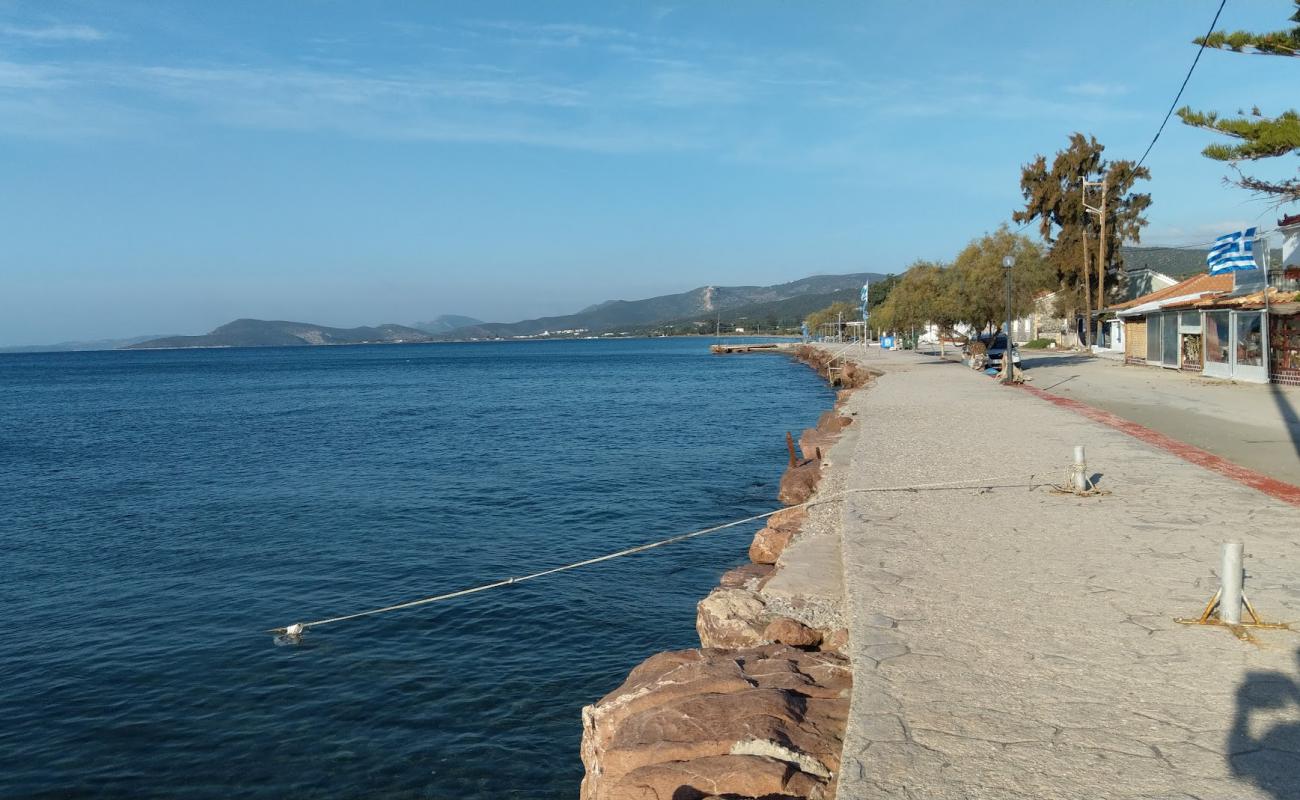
1284 344
1217 342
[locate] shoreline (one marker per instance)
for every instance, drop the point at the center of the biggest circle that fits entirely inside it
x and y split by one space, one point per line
761 707
16 350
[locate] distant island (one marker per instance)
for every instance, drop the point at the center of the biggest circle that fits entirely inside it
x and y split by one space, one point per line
278 333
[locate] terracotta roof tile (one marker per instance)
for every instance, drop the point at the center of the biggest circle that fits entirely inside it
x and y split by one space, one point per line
1204 282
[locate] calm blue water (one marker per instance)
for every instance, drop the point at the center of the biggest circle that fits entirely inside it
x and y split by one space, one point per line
160 509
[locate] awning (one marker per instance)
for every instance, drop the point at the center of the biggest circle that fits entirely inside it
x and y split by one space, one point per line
1156 305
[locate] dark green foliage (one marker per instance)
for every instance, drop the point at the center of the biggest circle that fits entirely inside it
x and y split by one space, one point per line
971 290
834 312
1054 199
1258 136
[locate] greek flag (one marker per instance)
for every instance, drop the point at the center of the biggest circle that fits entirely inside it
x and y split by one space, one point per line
1232 251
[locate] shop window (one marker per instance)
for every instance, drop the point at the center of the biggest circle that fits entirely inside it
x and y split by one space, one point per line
1169 341
1218 337
1284 346
1191 351
1153 338
1250 340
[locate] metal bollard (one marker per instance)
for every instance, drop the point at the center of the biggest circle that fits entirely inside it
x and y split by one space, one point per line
1080 470
1231 577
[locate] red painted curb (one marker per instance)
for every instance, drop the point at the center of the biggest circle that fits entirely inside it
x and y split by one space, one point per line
1272 487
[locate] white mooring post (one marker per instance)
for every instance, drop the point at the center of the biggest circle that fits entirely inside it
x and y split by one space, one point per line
1231 577
1080 470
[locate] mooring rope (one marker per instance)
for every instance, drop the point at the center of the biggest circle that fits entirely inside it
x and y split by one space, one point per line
298 628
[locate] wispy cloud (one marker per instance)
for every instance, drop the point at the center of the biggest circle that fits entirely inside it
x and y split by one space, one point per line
1093 89
1187 235
29 77
519 82
54 33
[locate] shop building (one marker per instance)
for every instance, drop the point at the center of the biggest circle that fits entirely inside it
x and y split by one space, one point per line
1215 326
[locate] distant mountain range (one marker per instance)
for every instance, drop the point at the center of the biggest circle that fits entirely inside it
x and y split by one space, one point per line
1173 261
788 301
79 346
698 310
762 307
445 323
277 333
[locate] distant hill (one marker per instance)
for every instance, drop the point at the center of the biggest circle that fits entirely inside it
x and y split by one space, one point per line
277 333
446 322
757 317
69 347
1172 261
706 302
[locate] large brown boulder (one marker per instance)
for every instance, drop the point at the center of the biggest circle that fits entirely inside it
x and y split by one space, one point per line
730 618
855 376
788 518
799 483
784 630
748 576
816 444
739 776
769 543
758 722
831 422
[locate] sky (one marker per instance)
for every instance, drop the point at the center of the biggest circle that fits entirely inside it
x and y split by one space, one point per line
168 167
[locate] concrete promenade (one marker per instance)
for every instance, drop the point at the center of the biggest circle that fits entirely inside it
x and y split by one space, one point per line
1257 426
1009 642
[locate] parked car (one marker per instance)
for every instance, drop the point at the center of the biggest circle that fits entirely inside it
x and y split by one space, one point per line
996 347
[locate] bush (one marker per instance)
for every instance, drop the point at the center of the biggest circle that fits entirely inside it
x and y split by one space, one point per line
1039 344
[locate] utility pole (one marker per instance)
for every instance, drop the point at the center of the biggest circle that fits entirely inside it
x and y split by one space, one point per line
1101 263
1087 293
1101 256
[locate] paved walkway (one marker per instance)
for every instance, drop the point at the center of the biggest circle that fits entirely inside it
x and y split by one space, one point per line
1254 425
1011 642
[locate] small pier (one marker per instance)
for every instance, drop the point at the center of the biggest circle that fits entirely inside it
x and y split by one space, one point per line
728 349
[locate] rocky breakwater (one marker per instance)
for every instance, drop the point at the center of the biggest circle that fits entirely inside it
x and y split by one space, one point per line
760 709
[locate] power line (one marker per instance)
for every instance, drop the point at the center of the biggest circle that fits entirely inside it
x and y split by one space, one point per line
1178 96
1168 113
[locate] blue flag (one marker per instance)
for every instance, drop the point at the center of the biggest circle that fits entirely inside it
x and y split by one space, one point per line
1232 251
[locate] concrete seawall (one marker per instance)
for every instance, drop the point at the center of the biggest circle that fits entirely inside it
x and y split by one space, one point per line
760 709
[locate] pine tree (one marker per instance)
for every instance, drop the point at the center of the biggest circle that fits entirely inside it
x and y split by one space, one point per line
1259 136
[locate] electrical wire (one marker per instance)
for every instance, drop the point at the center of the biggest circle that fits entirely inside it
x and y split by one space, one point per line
1187 78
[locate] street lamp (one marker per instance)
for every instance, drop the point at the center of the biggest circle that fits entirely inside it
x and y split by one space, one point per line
1008 370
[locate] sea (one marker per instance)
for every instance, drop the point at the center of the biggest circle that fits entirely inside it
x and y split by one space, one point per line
160 511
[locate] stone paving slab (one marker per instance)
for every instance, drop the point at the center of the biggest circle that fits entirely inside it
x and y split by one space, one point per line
1255 425
1010 642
